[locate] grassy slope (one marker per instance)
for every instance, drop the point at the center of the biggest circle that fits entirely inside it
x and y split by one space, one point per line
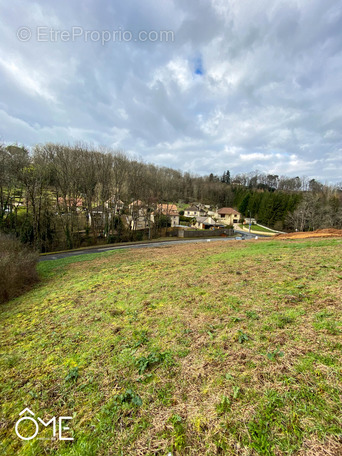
256 228
232 349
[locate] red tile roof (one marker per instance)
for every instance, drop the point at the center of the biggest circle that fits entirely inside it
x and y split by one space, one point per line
167 209
72 201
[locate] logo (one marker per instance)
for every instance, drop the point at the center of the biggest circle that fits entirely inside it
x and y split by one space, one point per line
55 422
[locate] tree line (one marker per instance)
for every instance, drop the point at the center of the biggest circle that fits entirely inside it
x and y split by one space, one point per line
61 188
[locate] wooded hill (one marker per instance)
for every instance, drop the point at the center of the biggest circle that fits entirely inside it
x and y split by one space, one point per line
48 196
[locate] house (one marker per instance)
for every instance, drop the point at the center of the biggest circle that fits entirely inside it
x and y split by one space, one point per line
212 211
194 211
100 215
137 209
204 223
115 204
138 222
70 203
167 207
228 216
170 210
135 205
97 216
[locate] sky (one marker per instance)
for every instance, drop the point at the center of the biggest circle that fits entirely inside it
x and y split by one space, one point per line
196 85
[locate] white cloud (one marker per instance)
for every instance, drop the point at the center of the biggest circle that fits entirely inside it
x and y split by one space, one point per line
268 96
30 82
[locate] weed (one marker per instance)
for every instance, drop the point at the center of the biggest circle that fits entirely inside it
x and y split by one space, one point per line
152 359
236 390
129 397
165 394
272 356
234 302
223 406
229 377
72 375
242 337
141 338
179 436
282 321
252 315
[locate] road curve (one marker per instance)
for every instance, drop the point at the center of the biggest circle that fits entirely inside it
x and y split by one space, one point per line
58 256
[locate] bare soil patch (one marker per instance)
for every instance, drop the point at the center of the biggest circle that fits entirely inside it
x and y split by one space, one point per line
324 233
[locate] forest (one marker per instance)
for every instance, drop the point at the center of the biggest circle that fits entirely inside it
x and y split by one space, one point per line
50 195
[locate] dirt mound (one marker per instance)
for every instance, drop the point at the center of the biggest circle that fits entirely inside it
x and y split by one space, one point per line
327 232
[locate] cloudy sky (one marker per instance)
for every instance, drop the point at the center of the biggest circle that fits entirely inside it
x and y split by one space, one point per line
237 84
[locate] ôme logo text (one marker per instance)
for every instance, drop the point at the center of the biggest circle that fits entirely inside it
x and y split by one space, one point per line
20 431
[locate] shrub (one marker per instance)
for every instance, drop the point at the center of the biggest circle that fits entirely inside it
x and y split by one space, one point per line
17 268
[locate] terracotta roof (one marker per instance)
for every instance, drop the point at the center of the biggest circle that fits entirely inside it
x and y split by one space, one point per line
167 208
74 202
166 212
227 211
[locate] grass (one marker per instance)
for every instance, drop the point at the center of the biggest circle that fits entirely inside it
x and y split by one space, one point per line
231 349
256 228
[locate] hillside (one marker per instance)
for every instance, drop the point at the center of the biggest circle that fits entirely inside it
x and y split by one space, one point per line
227 348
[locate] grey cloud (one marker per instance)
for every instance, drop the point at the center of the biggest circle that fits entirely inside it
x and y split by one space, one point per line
269 97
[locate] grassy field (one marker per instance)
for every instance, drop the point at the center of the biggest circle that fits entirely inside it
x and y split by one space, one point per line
256 228
209 349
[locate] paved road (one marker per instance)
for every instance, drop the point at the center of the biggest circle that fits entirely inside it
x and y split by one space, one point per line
57 256
248 235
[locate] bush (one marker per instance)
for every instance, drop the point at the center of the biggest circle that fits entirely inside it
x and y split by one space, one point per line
17 268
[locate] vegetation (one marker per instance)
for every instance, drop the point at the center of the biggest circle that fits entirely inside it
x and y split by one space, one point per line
60 197
17 268
255 227
220 348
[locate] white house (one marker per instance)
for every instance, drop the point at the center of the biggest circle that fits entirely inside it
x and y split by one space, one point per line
169 210
204 223
194 211
228 216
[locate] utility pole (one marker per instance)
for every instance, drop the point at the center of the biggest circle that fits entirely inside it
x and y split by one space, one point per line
250 221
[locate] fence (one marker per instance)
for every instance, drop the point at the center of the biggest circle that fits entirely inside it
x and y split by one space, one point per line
225 232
